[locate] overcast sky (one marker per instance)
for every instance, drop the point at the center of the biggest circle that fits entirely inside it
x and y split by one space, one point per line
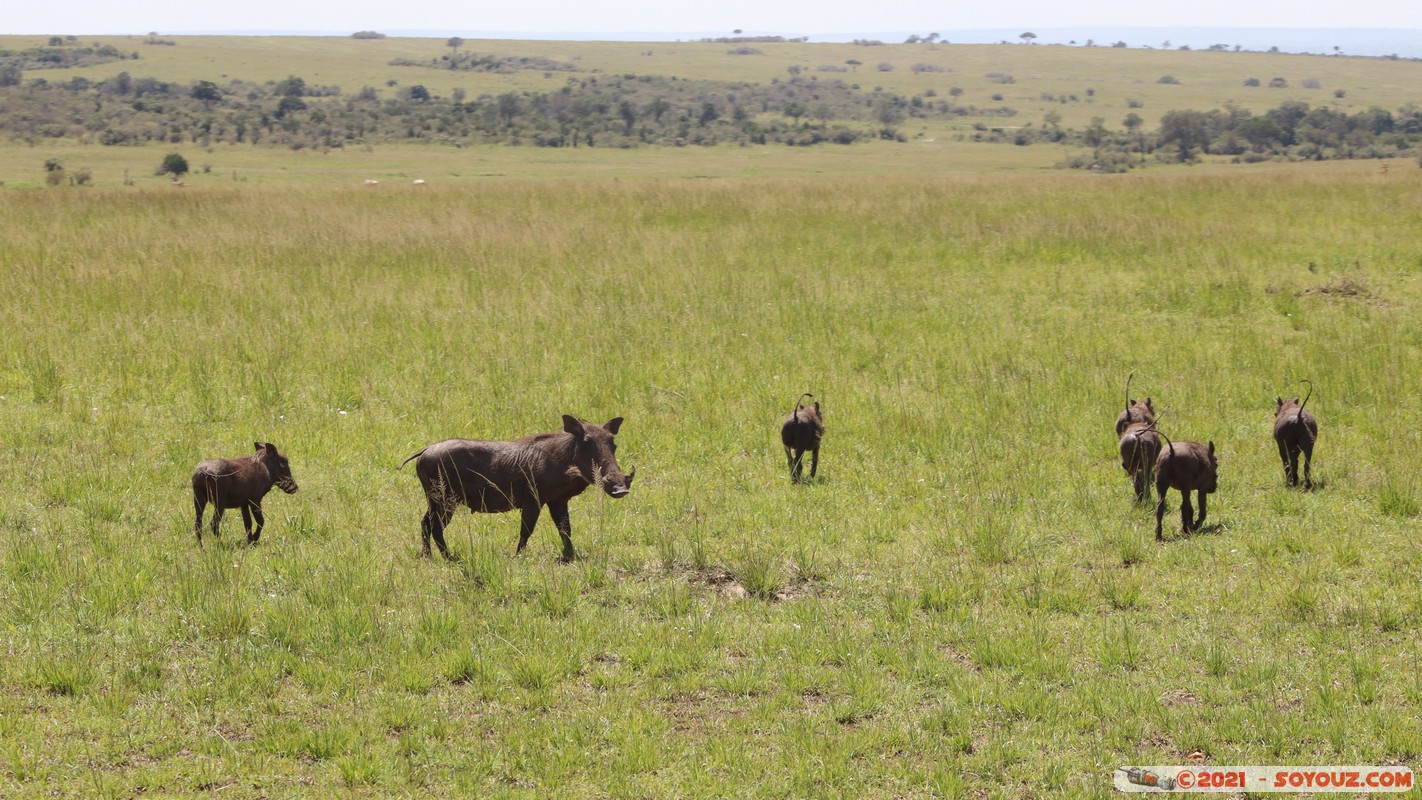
789 17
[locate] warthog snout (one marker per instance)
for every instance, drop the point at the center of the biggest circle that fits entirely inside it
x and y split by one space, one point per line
625 487
287 485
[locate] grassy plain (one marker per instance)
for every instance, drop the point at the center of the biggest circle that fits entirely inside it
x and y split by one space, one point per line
967 604
22 167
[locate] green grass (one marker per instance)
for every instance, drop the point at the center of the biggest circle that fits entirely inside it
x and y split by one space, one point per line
968 601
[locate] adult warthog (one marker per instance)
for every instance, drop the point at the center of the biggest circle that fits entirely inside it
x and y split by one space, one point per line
547 469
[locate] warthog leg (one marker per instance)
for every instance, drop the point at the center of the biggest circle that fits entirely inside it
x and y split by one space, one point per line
1290 471
559 513
255 513
1308 463
1201 521
814 461
199 503
530 518
1160 488
432 525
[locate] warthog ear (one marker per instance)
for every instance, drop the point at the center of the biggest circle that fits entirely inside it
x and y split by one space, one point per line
572 425
817 406
1212 448
1278 402
612 425
1296 399
1149 406
258 446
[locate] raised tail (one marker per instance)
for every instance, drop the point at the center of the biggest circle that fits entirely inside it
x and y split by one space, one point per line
1306 396
1298 418
1128 389
795 410
411 458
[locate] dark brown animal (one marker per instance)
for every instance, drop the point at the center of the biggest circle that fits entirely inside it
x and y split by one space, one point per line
1139 447
240 483
803 429
1186 466
548 469
1135 412
1295 431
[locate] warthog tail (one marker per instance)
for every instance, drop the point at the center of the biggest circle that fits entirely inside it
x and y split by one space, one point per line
795 410
1128 389
1306 396
1298 418
1151 427
411 458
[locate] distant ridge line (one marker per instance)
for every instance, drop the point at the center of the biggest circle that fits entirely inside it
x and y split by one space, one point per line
1377 42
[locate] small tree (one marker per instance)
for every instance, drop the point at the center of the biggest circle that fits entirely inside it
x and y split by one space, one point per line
453 43
175 165
206 91
1096 133
1133 122
1027 37
292 86
1187 130
53 172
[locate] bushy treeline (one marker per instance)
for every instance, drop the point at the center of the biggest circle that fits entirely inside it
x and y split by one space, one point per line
486 62
1292 131
15 62
629 110
602 111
